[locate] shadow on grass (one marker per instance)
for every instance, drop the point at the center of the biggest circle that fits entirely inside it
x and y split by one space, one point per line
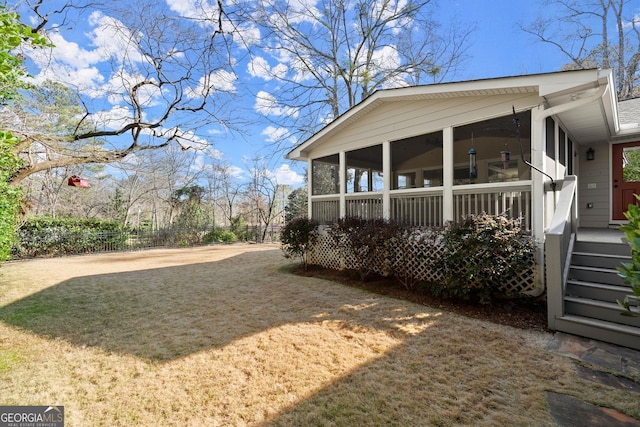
167 313
422 367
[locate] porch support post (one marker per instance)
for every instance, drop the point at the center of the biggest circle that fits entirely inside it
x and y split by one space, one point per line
447 174
386 176
309 188
538 198
343 184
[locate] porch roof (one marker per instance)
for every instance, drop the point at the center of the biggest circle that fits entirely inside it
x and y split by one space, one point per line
583 100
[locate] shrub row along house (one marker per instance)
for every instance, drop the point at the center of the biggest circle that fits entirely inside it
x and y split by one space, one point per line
554 150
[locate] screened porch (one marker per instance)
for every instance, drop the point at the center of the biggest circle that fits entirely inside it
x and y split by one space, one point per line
431 178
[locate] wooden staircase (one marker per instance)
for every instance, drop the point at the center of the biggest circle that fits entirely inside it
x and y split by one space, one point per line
592 288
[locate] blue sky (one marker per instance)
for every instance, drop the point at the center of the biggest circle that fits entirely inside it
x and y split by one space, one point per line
497 48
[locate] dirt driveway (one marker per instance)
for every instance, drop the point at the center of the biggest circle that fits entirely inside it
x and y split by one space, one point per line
223 335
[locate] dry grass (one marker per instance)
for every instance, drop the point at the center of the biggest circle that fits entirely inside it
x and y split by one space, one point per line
225 336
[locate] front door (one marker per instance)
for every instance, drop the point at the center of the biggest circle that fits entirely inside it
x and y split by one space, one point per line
626 177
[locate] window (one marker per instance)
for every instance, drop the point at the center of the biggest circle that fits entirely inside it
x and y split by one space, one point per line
432 178
550 126
631 164
570 157
405 180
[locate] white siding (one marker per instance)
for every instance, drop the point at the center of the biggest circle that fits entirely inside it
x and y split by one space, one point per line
397 120
593 187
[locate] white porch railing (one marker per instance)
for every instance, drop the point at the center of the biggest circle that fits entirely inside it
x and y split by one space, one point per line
512 200
418 208
425 207
325 209
364 205
559 242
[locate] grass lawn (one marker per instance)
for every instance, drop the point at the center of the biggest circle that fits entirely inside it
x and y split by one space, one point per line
225 336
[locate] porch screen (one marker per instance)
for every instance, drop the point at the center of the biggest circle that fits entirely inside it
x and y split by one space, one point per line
325 176
417 162
497 152
364 169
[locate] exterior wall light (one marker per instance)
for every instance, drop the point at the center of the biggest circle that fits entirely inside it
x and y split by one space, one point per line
591 154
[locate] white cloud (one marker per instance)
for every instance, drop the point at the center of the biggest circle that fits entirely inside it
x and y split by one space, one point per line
219 81
303 11
247 35
187 139
274 134
199 10
203 158
259 67
223 81
630 24
113 40
302 73
109 43
72 65
202 12
386 58
115 118
119 85
267 105
383 61
287 176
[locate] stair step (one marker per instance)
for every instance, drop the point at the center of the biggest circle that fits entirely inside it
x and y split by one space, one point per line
597 291
602 310
599 260
603 248
595 275
627 336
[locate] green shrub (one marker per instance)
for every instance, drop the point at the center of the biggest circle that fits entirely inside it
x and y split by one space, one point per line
371 242
44 235
630 271
297 238
9 195
220 236
479 254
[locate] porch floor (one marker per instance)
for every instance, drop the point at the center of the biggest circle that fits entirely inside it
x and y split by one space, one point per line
601 235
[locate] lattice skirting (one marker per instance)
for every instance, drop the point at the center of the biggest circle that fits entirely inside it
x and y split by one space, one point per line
412 255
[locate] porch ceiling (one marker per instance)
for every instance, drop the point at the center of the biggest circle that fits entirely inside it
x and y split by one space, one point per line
588 124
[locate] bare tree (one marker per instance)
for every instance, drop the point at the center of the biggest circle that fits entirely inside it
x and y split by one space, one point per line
333 54
581 31
266 199
227 191
170 78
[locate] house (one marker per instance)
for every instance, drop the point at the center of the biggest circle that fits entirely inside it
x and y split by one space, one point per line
550 149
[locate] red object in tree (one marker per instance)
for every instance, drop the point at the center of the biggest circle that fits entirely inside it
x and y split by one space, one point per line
76 181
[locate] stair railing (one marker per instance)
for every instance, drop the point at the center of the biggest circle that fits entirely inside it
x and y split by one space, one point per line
559 241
